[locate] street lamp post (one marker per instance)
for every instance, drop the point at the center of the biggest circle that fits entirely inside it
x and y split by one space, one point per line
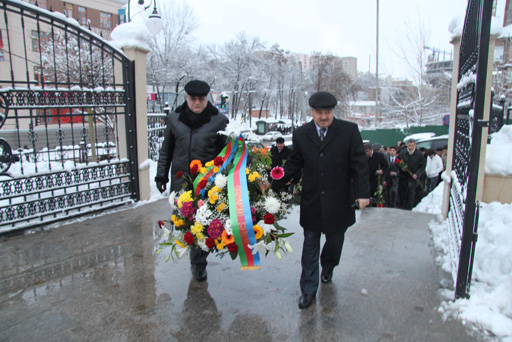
154 23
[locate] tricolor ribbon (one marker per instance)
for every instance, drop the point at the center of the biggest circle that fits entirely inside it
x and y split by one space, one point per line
240 209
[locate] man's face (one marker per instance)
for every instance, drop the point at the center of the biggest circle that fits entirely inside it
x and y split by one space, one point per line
323 117
369 152
280 146
411 146
197 103
392 152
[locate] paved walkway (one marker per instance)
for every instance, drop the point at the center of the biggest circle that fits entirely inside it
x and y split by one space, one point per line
100 280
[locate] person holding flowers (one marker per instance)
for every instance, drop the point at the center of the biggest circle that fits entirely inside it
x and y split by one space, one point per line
191 135
412 166
331 155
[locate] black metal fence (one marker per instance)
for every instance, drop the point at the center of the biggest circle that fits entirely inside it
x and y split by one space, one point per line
67 120
157 122
469 123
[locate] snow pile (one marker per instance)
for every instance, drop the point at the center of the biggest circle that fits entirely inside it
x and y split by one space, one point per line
131 34
490 304
498 158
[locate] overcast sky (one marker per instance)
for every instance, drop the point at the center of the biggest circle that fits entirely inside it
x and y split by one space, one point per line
343 27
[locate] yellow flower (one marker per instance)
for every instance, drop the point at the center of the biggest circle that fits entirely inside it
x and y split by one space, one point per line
247 171
253 176
200 236
220 245
213 194
179 243
196 229
258 231
179 223
203 170
185 197
174 218
210 163
216 169
221 207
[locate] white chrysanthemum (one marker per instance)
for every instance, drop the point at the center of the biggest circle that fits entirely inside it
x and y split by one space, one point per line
202 245
220 181
272 205
203 215
172 197
227 227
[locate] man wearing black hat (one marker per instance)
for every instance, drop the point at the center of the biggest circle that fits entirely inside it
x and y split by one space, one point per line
191 134
335 176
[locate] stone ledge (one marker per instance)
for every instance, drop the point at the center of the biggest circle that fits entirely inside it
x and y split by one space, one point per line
497 188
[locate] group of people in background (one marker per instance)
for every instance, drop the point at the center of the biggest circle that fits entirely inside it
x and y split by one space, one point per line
404 184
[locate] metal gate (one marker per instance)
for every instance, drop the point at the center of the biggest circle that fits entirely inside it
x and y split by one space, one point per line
67 120
469 123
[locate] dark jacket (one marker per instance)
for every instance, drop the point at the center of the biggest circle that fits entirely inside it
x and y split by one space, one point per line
278 158
415 163
186 140
392 181
375 162
335 173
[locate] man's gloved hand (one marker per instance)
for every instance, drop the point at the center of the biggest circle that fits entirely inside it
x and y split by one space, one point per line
161 187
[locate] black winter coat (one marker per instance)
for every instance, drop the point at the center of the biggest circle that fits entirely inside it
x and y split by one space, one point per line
185 141
335 173
415 163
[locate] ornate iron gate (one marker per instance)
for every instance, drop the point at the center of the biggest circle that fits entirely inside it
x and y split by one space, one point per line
469 123
67 119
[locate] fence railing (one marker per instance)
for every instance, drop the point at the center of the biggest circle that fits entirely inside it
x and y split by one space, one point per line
157 122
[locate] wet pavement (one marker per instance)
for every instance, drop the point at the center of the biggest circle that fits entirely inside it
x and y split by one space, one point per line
100 280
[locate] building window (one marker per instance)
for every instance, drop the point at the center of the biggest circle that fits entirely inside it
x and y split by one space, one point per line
36 42
40 3
68 12
105 20
81 15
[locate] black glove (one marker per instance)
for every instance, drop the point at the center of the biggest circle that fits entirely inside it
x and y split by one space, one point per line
161 186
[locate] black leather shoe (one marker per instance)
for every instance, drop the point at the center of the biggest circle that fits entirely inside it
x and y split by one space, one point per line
306 300
201 275
326 276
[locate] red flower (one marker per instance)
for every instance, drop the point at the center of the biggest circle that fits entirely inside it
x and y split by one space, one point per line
202 184
269 218
277 173
189 238
232 247
179 174
218 161
194 169
160 224
397 161
210 243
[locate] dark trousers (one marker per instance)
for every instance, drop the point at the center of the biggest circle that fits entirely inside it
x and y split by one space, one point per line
198 258
330 257
407 190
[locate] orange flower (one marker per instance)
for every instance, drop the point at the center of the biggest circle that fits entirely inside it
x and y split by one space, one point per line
226 238
196 162
258 231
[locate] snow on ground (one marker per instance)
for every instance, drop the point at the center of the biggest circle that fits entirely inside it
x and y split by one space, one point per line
490 304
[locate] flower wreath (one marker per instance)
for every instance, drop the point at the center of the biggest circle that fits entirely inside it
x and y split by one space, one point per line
223 210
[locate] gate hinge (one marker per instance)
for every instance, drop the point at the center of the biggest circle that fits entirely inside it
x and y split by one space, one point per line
482 123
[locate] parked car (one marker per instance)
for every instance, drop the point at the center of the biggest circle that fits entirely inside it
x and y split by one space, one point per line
419 136
272 136
433 142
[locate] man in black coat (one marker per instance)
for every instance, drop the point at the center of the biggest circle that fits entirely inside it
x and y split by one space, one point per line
335 176
408 182
377 166
191 133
